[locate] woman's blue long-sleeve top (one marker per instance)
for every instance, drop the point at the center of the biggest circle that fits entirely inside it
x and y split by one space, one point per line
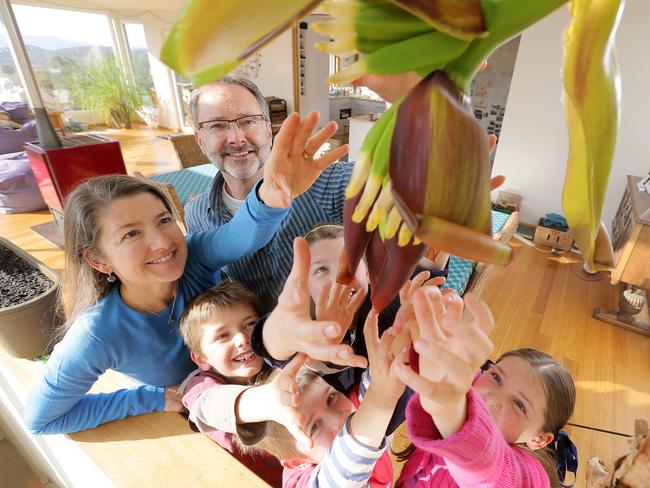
142 345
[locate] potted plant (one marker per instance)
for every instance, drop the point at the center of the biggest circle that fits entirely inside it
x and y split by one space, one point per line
105 88
28 292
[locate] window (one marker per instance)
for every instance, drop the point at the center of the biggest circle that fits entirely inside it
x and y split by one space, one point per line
62 45
139 57
11 89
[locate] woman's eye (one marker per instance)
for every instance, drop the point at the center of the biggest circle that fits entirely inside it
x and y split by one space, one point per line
165 220
520 405
314 428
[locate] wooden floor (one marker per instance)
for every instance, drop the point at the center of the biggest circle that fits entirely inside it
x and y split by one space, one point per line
541 301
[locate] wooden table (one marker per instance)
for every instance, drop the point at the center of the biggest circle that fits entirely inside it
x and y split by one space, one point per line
152 450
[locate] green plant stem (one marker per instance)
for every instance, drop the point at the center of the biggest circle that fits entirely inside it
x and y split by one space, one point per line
504 20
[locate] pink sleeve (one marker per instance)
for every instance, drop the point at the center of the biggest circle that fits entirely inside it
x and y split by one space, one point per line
477 455
196 386
297 477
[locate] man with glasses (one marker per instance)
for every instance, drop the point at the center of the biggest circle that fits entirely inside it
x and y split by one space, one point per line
232 126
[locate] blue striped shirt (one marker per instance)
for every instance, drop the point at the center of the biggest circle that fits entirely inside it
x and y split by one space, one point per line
265 271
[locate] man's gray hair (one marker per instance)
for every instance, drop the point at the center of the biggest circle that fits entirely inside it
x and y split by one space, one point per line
227 81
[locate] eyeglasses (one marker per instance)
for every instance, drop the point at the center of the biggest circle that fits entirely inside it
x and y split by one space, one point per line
247 123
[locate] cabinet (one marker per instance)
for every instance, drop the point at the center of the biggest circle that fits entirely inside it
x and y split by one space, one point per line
631 239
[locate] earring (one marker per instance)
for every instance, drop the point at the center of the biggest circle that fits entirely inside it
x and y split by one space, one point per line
111 278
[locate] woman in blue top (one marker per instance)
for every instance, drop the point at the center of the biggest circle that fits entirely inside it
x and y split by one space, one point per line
129 273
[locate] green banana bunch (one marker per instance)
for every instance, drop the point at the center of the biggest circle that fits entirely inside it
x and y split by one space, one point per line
422 175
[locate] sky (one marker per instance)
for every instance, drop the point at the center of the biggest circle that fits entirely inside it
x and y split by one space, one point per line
82 27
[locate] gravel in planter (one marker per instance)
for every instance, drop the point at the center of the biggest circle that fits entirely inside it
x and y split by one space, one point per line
19 280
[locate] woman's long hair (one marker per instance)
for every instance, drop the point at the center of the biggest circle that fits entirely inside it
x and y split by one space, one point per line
83 286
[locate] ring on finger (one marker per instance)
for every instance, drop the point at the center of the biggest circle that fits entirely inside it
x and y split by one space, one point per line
306 156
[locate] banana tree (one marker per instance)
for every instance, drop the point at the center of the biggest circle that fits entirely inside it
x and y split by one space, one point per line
422 176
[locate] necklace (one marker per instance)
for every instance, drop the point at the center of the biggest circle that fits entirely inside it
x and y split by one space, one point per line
170 320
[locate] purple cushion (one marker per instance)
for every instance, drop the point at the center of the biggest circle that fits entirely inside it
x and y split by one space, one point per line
12 140
19 191
18 111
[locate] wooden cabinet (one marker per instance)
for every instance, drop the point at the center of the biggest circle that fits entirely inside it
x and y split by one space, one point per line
631 240
631 237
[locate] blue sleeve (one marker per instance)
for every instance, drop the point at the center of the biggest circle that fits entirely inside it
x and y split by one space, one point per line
59 402
252 227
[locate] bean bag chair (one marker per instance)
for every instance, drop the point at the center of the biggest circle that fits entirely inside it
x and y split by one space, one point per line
19 191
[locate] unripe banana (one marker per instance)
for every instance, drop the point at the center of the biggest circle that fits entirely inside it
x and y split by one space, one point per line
428 49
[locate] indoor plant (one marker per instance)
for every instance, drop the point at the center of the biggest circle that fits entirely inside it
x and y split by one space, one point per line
105 88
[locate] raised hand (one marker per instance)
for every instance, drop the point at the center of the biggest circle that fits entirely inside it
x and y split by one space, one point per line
290 329
338 304
290 169
450 354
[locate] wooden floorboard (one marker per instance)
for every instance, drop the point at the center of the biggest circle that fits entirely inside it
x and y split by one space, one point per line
541 301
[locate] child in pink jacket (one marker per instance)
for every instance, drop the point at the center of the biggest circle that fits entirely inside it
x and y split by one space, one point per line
496 429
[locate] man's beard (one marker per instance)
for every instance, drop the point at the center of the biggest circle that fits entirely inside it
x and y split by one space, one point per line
244 168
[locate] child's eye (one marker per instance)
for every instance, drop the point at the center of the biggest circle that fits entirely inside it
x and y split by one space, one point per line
520 405
321 269
221 337
131 234
250 324
331 398
496 378
314 428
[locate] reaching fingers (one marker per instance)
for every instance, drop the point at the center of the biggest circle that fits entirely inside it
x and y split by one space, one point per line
420 385
492 142
292 367
435 281
299 434
371 333
312 144
293 292
339 354
309 331
322 299
454 368
483 318
426 302
497 181
357 299
285 136
302 133
334 155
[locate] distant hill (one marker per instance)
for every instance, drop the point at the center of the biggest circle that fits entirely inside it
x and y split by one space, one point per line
45 42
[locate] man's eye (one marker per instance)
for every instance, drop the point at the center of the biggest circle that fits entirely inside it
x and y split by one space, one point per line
314 428
218 126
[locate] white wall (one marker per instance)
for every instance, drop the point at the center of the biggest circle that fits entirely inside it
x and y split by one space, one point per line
276 74
534 143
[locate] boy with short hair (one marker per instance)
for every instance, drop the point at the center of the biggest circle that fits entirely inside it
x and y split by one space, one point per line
216 326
